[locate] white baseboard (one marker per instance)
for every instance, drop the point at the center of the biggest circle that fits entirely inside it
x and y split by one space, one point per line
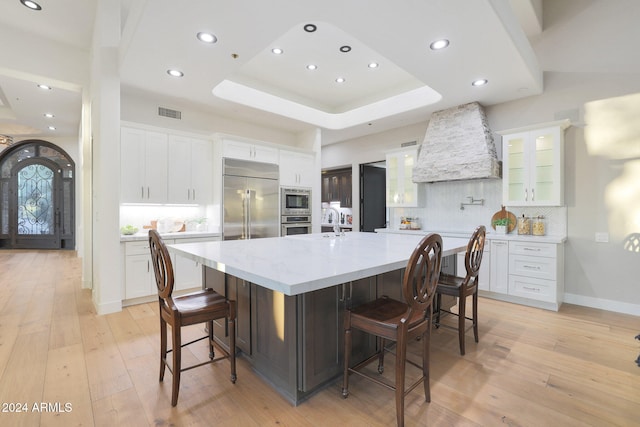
106 308
604 304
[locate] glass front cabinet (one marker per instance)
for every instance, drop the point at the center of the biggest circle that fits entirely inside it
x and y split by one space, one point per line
533 169
401 190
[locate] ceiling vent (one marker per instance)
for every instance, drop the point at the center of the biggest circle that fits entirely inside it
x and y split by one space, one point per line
172 114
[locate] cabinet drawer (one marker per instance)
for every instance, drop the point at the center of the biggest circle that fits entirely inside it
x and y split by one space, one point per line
532 266
528 287
137 248
141 247
534 249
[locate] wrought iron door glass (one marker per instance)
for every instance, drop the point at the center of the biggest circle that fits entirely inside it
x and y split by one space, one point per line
35 200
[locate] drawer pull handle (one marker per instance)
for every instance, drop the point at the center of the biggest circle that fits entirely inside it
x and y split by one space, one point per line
532 249
528 288
531 267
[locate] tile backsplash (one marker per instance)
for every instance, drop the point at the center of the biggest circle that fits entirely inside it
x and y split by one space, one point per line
443 200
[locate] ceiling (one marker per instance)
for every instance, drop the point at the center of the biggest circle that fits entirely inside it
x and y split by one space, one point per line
239 77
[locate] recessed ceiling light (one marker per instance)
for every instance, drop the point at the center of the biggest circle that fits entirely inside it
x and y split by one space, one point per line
373 65
345 49
277 51
52 128
49 115
439 44
175 73
207 37
31 4
45 87
312 67
340 80
480 82
310 28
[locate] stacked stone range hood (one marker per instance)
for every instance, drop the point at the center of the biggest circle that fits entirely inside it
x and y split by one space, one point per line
458 145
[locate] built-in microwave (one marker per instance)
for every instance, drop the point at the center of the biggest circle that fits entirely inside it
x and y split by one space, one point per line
295 201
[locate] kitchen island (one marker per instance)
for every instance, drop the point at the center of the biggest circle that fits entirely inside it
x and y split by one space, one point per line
291 293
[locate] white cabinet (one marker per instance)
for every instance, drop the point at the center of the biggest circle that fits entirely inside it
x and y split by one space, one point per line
401 190
189 170
533 165
484 274
534 271
297 169
138 270
527 272
139 274
249 151
188 273
143 162
499 266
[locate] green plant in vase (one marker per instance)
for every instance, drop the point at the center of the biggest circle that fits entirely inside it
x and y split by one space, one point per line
501 225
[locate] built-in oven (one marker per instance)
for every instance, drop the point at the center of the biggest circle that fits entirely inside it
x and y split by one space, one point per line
295 224
295 201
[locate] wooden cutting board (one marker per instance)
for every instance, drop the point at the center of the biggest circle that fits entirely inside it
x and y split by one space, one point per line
504 213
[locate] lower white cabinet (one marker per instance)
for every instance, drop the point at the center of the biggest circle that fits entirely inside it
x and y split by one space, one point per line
138 270
188 273
527 272
499 267
139 275
484 274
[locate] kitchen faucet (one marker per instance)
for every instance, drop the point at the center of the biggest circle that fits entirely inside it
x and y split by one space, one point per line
336 225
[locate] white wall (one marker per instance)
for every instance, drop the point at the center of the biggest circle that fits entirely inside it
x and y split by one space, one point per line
139 107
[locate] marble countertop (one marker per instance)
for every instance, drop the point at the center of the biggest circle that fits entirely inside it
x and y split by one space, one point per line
491 235
297 264
144 235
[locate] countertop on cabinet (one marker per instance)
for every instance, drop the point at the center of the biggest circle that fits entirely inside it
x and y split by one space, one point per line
491 235
144 235
297 264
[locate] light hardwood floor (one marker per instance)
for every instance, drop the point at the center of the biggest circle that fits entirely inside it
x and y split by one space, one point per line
531 368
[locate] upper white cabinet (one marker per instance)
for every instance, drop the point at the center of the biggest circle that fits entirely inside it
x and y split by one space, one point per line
143 162
533 169
296 169
189 171
401 190
249 151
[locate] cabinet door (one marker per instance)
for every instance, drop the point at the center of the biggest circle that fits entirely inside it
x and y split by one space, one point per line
179 170
346 190
516 169
499 267
296 169
249 151
139 276
201 171
546 167
484 275
401 190
189 170
320 319
156 145
188 273
533 166
243 320
132 165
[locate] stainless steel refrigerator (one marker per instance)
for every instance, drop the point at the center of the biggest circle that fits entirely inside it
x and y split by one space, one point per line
250 207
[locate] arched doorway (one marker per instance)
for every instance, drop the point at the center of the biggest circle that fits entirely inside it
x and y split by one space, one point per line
37 202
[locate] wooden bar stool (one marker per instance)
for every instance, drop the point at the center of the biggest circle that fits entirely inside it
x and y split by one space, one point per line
399 321
200 307
463 287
